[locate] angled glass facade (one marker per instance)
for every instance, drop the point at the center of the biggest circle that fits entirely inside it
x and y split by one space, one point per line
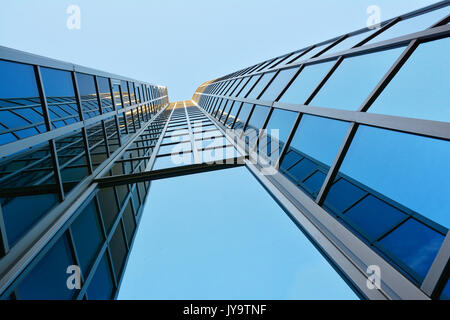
363 133
350 136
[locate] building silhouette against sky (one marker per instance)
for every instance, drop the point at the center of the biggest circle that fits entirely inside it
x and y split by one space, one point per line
350 136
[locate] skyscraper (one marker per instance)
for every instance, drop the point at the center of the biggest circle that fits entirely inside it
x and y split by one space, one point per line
350 136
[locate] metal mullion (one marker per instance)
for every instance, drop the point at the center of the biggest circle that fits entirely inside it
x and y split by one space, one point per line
158 144
333 43
195 152
389 75
437 32
301 55
83 129
52 145
438 274
376 33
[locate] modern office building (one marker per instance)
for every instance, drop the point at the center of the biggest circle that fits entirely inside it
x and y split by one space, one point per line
351 136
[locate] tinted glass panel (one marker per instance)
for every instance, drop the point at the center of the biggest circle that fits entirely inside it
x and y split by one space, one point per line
48 278
411 25
278 128
305 83
243 115
247 87
355 79
256 91
408 169
19 102
62 105
118 250
105 94
421 87
278 84
101 286
88 95
415 245
86 233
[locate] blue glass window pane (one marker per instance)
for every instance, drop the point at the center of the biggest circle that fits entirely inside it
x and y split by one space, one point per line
350 42
243 115
87 236
118 250
48 278
408 169
302 170
101 286
258 117
88 95
60 95
278 84
290 159
319 138
283 121
125 95
247 87
305 83
414 24
314 183
128 219
415 245
108 206
421 87
373 217
342 195
256 91
17 80
354 79
19 218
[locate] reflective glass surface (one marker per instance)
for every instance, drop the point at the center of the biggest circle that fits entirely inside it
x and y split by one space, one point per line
409 169
305 83
421 88
354 79
256 91
278 84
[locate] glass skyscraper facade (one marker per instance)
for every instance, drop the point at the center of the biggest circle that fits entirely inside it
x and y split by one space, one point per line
350 136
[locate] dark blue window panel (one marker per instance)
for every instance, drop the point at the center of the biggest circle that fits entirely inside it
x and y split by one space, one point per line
22 213
18 89
60 96
406 168
108 206
314 183
342 195
87 236
129 223
290 159
302 169
17 80
415 245
48 278
118 250
101 286
374 217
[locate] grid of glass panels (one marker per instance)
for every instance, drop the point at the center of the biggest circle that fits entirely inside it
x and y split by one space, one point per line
58 129
366 135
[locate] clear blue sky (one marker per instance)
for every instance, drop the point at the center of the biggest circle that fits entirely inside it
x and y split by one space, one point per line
219 235
181 43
